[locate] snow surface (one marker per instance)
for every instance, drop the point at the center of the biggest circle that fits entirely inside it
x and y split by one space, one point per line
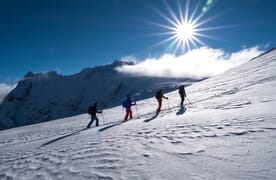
228 132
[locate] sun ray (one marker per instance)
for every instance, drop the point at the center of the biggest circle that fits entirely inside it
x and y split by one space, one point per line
194 12
165 17
205 21
187 11
180 12
197 19
218 27
199 41
164 41
184 28
177 46
160 34
171 12
162 25
206 36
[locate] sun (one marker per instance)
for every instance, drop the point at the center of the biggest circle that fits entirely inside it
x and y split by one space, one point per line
185 32
184 27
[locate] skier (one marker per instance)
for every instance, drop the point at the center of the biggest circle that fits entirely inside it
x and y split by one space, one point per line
127 104
182 93
92 110
159 95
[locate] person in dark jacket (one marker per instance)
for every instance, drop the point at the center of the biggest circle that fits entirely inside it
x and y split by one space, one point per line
159 95
182 94
93 111
127 104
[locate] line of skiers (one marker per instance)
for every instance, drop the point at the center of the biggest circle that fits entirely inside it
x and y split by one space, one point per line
127 103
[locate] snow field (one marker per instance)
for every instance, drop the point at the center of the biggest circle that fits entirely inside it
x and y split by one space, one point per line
228 132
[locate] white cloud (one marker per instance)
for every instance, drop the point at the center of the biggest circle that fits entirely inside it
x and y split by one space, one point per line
4 90
197 64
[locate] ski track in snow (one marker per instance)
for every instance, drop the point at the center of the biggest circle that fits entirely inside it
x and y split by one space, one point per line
228 132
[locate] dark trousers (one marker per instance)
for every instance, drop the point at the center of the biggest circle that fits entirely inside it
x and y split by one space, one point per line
182 99
93 117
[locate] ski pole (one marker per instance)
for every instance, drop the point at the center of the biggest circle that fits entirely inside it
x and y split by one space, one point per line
136 110
103 118
168 103
103 106
189 101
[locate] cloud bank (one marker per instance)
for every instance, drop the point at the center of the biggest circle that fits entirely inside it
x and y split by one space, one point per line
196 64
4 90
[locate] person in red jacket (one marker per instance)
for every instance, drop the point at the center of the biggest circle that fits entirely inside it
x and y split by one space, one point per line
159 95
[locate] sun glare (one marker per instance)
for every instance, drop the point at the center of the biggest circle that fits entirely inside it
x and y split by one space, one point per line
184 32
184 27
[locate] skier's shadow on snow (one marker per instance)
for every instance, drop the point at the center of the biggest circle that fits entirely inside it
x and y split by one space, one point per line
151 118
63 137
181 111
107 127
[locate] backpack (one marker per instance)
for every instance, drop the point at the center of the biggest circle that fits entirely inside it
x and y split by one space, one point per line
127 103
92 110
181 89
89 110
158 95
124 104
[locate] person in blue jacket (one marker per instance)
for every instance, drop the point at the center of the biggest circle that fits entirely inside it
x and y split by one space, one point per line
127 104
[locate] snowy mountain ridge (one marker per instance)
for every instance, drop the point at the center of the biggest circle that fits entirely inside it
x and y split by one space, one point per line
227 132
48 96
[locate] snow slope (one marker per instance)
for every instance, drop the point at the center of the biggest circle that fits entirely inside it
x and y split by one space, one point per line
228 132
48 96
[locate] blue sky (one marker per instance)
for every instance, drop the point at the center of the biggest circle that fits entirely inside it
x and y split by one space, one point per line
67 35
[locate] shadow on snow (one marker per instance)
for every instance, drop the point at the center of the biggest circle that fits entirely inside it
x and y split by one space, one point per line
181 111
107 127
151 118
62 137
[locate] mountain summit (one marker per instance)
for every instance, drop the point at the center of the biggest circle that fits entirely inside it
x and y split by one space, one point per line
48 96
